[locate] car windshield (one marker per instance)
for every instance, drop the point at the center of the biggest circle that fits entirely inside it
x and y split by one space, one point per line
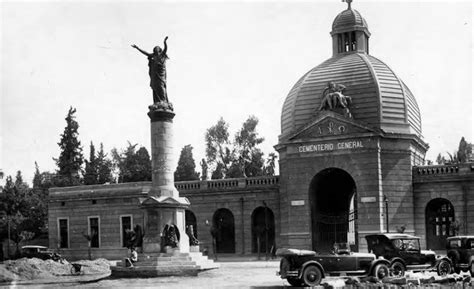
407 244
455 243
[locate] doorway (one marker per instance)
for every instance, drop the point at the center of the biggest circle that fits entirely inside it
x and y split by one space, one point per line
333 201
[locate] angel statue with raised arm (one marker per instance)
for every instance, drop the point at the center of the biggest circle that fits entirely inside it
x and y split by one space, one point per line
157 71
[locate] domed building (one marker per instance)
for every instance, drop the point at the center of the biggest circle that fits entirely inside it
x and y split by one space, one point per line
351 163
350 134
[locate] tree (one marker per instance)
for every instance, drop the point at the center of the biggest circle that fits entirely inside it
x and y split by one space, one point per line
464 151
440 160
204 169
250 158
91 171
240 158
270 165
218 148
22 211
186 170
70 157
42 181
104 167
133 166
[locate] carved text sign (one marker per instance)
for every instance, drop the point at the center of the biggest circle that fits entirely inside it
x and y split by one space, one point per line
331 146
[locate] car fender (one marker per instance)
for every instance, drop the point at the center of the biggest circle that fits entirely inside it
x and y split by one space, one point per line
376 262
441 258
312 262
398 259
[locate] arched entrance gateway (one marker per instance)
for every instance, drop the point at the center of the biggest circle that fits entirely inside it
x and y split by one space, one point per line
439 218
332 195
223 229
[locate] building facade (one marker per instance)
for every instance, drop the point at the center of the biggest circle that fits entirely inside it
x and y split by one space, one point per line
351 163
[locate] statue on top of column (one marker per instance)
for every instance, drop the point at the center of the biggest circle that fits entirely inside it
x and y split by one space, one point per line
157 72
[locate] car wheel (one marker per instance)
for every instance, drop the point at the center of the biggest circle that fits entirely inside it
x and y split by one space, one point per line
397 269
381 271
312 275
294 282
444 268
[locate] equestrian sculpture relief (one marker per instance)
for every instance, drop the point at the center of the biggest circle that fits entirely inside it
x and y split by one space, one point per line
333 98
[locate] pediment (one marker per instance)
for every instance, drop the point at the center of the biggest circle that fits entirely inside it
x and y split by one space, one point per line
164 200
327 123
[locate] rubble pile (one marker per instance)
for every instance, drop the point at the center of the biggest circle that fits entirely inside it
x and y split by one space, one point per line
33 268
413 280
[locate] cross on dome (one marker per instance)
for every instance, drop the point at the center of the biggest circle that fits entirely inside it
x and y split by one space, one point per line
348 3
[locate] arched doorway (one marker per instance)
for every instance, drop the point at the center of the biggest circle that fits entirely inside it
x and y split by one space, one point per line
190 220
263 230
223 225
333 200
439 217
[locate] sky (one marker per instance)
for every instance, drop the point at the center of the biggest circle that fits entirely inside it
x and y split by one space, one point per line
226 59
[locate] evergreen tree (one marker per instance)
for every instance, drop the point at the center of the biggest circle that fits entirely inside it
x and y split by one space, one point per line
104 167
186 170
70 157
91 170
464 151
40 196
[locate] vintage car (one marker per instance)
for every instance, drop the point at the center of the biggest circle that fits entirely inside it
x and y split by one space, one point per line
460 250
40 252
304 267
404 253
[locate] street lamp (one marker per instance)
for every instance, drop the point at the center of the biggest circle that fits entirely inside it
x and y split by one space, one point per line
385 199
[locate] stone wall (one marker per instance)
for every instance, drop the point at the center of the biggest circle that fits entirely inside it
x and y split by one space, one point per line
452 182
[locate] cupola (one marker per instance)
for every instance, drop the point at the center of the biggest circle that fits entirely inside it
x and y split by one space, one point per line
350 32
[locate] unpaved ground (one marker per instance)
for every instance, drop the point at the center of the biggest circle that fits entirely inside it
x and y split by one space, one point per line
253 274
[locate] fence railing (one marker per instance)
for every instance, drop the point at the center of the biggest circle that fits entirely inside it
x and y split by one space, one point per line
436 170
228 183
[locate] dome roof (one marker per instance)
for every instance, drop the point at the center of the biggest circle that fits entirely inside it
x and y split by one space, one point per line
380 100
349 20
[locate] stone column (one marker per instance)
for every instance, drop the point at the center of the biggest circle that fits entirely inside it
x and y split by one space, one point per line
162 153
163 206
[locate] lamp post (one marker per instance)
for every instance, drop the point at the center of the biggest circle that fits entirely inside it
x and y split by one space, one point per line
266 232
385 199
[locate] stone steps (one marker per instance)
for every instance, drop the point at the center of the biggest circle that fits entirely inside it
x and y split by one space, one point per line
165 264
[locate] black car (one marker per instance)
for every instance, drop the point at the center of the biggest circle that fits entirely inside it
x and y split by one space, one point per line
460 250
40 252
304 267
404 253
